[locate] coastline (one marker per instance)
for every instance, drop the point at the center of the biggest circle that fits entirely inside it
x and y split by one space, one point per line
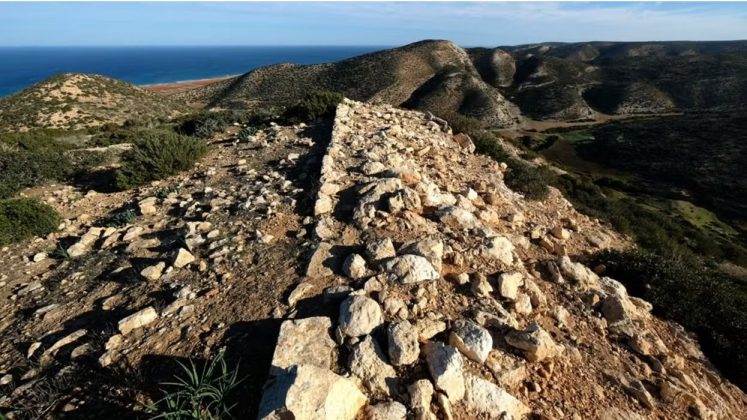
182 85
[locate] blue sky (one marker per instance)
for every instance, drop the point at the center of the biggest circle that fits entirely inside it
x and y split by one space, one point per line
309 23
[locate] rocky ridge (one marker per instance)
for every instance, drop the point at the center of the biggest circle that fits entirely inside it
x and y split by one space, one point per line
454 304
380 270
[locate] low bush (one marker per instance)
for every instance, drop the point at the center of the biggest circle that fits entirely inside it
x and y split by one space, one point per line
530 180
23 218
694 294
158 154
119 218
246 133
315 105
206 124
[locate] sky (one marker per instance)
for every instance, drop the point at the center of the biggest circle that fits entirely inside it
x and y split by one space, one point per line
363 23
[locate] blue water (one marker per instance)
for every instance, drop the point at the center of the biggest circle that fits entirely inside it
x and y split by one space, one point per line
21 67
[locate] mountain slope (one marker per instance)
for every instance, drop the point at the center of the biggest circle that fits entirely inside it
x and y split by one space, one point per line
430 75
75 101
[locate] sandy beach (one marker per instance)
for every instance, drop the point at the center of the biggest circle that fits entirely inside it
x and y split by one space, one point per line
175 87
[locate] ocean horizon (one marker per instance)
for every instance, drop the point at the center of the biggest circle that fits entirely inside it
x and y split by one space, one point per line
21 67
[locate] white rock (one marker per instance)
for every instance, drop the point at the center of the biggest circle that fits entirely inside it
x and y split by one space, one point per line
367 363
472 340
309 392
431 249
446 367
183 258
153 272
355 267
486 398
392 410
304 341
380 249
411 269
403 343
501 249
139 319
534 342
359 315
509 283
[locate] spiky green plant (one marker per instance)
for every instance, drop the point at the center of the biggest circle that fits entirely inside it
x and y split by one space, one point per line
199 393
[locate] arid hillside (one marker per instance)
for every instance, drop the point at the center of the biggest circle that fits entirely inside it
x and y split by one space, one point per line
368 267
430 75
76 101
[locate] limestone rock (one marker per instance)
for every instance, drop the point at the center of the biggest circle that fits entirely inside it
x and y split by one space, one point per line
458 217
500 249
428 328
368 364
486 398
147 206
480 286
392 410
153 272
421 395
321 259
472 340
359 315
309 392
431 249
380 249
534 342
411 269
139 319
304 341
183 258
403 343
355 267
446 367
509 283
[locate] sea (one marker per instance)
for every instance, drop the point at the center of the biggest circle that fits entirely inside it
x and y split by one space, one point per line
21 67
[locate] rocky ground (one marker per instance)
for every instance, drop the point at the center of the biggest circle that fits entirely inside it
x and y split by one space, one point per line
381 271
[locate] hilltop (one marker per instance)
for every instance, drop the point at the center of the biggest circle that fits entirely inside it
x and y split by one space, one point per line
500 86
430 75
76 101
371 267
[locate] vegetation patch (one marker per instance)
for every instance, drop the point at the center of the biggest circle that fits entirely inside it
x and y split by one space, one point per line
24 218
315 105
158 154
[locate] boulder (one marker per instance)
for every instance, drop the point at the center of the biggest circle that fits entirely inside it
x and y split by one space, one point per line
457 217
309 392
446 367
486 398
421 395
411 269
534 342
368 364
471 339
403 343
304 341
359 315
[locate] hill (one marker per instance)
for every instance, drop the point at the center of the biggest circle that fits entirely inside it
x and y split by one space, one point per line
76 101
431 75
572 81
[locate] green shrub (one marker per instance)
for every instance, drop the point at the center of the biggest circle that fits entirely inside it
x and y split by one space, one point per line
692 293
199 393
315 105
23 169
245 133
23 218
120 218
157 155
206 124
532 181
